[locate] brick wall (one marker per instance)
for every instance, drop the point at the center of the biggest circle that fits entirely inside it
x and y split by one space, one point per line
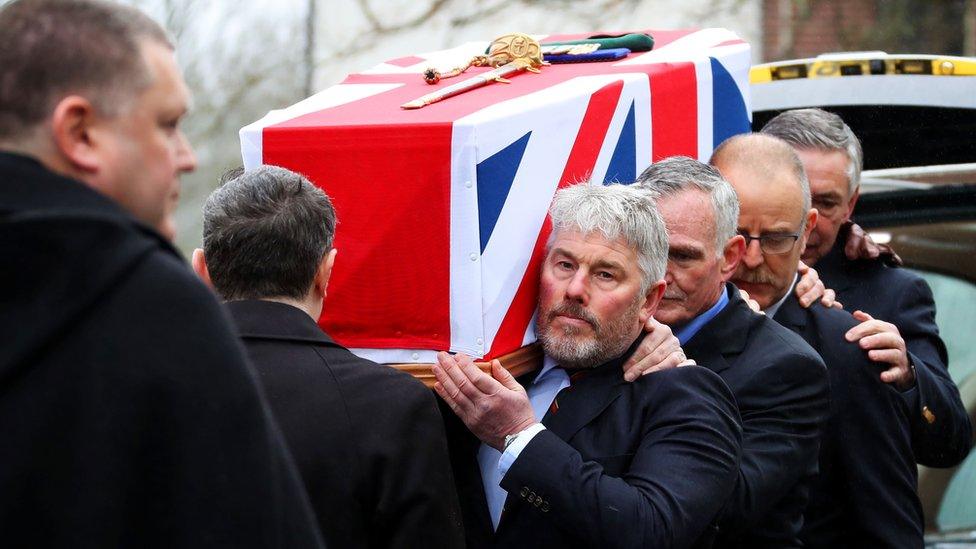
798 28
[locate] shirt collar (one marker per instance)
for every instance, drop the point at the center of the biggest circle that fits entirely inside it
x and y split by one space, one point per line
689 330
548 365
772 309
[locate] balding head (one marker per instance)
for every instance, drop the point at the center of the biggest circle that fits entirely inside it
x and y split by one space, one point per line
774 212
767 158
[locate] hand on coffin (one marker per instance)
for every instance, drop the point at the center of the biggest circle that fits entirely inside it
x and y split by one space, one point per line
659 350
491 406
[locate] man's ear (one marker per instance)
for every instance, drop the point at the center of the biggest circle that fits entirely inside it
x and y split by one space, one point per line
812 217
735 248
71 125
651 300
325 272
199 264
852 202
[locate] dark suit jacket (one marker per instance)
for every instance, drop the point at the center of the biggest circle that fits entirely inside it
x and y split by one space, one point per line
905 300
865 494
130 417
368 440
643 464
780 385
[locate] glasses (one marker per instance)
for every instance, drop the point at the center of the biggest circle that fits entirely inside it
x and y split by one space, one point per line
774 244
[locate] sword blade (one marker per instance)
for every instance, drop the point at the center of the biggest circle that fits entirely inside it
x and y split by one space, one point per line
469 84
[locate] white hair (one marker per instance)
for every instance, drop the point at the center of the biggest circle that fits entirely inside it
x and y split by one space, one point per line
677 174
820 130
615 211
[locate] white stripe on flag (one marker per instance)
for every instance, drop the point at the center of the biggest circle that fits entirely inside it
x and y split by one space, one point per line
467 324
703 75
636 91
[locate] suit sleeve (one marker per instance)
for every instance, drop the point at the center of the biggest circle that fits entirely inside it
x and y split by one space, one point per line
943 436
680 476
781 430
873 453
417 502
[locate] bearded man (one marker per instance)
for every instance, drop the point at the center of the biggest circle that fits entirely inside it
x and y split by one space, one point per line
575 455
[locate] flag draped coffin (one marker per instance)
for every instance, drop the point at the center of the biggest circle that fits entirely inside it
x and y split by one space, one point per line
443 210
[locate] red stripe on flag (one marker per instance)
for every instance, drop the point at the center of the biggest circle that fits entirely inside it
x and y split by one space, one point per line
389 237
511 332
592 131
674 110
579 166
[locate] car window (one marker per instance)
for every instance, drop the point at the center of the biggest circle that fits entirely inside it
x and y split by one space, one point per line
958 509
955 303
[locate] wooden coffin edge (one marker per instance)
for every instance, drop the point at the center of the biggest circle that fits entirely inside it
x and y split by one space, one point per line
519 362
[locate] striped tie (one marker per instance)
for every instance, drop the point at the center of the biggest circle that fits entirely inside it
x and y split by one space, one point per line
573 378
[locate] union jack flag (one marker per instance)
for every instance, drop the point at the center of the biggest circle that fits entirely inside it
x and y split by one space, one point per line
442 210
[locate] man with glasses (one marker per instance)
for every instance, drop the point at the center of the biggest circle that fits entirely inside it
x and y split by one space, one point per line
865 493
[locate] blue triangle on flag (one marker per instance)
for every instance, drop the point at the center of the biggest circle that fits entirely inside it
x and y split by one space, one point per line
729 114
495 177
623 163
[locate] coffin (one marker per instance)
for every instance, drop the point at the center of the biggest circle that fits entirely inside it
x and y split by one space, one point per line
442 210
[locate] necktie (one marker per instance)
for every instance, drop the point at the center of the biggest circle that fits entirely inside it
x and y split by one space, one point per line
573 378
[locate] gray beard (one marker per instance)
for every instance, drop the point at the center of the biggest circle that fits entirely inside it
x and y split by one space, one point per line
571 352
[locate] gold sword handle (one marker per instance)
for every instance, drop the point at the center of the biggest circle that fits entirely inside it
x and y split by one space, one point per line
510 48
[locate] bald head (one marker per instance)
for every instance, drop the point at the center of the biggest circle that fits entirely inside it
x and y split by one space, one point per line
762 160
775 216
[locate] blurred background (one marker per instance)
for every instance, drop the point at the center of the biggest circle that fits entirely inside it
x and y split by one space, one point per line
244 58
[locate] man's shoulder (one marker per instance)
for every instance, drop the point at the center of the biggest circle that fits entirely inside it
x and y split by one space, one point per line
778 344
831 326
356 372
865 275
675 383
365 384
830 320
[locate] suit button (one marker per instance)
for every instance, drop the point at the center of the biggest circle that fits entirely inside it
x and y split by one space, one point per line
538 502
545 507
928 415
524 492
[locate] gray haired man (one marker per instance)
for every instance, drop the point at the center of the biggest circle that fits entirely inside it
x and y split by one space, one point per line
895 306
779 382
578 456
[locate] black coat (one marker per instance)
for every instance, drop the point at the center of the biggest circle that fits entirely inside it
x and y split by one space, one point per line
865 494
943 436
780 385
368 440
129 415
643 464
